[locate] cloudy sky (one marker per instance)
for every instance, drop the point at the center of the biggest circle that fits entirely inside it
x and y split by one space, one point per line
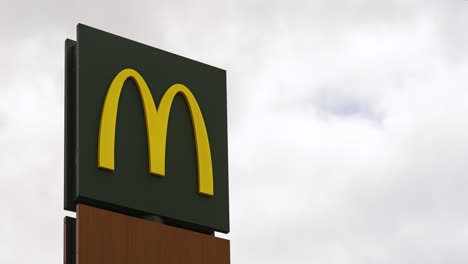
348 127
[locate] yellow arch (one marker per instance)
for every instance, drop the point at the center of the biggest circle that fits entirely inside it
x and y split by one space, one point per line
156 128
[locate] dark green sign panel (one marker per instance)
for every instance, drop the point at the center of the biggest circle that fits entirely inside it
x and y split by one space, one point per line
145 132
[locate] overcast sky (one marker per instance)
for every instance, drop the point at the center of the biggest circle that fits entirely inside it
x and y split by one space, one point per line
348 127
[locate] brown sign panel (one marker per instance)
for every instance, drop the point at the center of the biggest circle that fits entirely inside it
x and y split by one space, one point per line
108 237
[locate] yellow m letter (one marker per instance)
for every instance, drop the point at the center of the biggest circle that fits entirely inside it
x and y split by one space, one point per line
156 128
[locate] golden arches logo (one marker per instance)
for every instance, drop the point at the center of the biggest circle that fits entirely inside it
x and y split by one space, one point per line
156 128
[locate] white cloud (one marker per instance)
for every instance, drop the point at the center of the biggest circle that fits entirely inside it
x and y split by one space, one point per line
347 123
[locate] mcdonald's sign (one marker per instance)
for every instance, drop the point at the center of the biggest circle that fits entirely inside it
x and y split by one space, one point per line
156 126
145 132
